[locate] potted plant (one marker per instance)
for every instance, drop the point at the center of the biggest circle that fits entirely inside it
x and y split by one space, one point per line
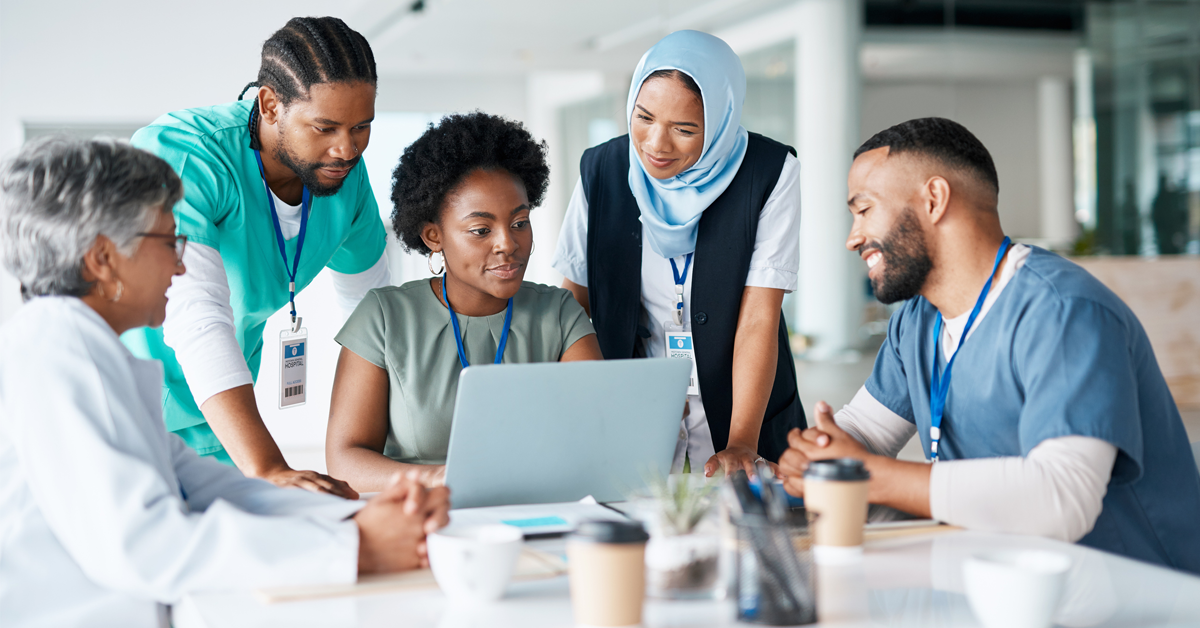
683 555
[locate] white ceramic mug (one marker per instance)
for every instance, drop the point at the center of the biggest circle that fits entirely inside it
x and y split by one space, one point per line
474 563
1015 588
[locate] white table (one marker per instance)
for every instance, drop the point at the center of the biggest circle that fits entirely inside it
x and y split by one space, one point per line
910 581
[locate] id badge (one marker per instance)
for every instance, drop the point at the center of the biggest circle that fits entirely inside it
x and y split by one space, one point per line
679 347
293 368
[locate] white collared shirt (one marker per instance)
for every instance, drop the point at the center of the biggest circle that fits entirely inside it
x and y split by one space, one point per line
774 263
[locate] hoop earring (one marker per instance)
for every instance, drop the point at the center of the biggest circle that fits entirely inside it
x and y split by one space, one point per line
120 291
429 262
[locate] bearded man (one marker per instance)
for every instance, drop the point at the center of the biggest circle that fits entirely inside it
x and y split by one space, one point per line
1058 423
274 192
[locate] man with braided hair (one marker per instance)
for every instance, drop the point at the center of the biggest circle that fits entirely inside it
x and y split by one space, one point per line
273 193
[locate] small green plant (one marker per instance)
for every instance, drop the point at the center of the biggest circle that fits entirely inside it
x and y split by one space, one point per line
682 501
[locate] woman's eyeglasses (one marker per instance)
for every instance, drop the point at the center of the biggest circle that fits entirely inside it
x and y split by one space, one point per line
180 243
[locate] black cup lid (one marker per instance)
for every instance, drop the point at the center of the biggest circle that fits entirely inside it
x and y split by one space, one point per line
610 532
838 469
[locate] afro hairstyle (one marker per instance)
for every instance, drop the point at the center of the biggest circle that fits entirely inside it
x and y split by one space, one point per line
432 167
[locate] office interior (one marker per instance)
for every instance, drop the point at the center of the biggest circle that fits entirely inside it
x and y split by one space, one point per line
1090 109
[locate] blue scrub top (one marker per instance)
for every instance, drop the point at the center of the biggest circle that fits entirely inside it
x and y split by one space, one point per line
1058 355
225 207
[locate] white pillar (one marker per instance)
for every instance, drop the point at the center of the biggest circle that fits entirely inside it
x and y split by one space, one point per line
546 93
1085 141
828 93
1059 228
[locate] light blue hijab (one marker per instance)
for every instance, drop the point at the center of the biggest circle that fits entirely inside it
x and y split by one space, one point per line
671 208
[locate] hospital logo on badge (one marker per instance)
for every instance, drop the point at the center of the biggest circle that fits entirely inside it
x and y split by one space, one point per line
293 351
680 342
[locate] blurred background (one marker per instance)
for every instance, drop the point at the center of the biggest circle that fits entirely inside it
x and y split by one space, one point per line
1091 111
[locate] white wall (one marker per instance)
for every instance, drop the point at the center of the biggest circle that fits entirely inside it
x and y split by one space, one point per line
1002 114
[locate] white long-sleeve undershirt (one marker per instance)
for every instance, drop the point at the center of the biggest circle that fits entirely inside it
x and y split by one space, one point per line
200 326
1056 491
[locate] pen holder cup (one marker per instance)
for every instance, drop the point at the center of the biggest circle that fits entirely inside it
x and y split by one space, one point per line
774 572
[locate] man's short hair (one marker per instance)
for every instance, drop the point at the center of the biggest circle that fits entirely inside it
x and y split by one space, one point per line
946 141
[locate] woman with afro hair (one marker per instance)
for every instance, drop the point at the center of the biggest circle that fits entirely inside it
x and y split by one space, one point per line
462 194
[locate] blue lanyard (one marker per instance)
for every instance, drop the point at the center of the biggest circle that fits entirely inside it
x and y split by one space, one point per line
462 353
291 272
939 388
680 278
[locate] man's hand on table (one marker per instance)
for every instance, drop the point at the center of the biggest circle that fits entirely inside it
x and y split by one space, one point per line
898 484
824 441
392 526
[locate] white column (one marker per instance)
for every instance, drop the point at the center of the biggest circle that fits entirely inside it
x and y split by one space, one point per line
828 93
1059 228
1085 141
546 93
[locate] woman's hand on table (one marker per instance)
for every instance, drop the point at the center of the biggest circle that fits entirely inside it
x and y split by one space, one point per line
392 526
310 481
733 458
824 441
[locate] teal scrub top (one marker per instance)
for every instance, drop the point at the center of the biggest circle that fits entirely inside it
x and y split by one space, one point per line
225 207
1058 355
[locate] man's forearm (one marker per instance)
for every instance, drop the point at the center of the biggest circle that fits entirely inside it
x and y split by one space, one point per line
900 485
234 418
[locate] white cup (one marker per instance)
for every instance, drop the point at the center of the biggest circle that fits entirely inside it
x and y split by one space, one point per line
1015 588
473 564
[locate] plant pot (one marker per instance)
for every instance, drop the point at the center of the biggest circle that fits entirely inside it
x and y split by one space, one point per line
685 566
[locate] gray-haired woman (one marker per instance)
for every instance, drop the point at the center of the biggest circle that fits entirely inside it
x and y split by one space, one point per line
104 516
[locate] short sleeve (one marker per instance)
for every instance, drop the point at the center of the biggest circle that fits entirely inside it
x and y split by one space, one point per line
208 188
775 262
572 319
570 257
888 383
366 240
1075 364
365 331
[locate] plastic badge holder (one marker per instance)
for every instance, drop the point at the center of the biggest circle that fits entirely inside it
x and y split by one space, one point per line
774 580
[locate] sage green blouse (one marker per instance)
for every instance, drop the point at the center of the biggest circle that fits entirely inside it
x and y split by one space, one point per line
406 331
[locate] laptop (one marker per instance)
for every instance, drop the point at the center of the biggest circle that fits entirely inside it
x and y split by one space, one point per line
558 432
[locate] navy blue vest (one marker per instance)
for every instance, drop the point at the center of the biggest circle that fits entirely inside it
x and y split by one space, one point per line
724 245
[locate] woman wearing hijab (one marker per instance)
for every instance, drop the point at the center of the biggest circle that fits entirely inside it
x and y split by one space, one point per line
681 239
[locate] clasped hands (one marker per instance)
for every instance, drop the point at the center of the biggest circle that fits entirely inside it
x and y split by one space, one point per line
392 526
824 441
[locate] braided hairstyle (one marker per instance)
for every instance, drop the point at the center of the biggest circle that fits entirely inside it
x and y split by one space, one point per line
308 51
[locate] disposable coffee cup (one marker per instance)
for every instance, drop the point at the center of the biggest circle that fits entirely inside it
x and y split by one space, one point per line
606 561
835 497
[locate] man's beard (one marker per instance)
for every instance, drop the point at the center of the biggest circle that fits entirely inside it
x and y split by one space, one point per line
906 263
307 171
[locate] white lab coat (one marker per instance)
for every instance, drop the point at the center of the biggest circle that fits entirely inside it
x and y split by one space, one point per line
93 526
